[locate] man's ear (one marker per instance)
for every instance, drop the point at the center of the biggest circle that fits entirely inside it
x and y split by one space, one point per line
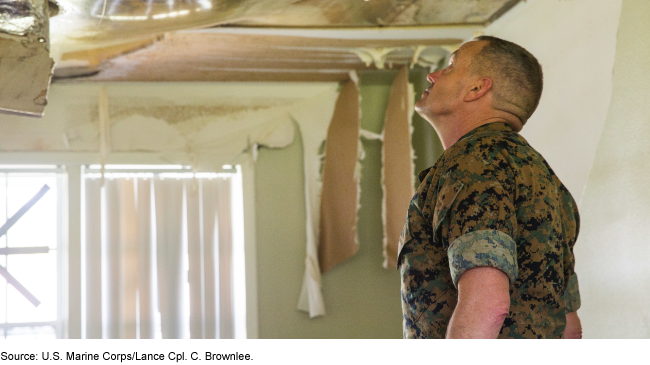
479 88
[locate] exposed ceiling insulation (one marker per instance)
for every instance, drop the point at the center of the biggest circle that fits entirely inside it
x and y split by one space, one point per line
134 40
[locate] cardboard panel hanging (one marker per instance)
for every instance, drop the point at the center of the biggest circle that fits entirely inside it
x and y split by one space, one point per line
398 167
25 63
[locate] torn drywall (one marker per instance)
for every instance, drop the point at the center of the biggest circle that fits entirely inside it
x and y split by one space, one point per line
417 51
398 167
216 122
25 63
202 125
374 55
339 198
313 120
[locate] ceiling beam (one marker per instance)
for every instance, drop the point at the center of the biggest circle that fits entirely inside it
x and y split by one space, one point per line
442 34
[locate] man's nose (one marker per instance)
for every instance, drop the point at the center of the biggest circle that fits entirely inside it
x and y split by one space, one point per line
432 77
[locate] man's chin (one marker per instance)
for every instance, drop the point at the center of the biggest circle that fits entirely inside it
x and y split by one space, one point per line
423 112
420 108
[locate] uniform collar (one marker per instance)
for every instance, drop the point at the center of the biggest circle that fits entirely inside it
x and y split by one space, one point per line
485 128
423 174
490 127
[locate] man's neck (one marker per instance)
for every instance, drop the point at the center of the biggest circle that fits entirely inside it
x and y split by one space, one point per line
451 131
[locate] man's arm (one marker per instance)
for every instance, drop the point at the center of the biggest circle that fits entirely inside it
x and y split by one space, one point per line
483 304
573 328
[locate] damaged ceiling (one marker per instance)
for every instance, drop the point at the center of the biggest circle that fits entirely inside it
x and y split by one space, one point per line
120 17
242 40
94 20
25 63
224 40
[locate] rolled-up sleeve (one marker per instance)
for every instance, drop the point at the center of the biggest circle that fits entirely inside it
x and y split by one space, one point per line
572 295
483 248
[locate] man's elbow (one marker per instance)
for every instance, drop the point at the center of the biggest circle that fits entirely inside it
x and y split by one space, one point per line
483 303
499 310
497 303
573 328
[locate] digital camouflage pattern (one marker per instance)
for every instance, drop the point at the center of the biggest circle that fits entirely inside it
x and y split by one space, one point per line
490 200
487 248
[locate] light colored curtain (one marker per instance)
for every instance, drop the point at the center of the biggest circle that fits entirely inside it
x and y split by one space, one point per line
145 239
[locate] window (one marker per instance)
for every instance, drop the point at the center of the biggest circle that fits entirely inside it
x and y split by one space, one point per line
35 254
30 252
163 253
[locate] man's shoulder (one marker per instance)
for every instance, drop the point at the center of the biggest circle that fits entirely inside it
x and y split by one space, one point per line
489 144
493 150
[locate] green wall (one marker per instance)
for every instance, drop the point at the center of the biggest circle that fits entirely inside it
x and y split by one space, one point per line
362 299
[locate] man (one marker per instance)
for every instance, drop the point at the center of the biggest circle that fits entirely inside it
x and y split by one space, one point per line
487 246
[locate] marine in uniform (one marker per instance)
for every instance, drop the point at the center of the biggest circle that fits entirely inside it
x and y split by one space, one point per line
487 245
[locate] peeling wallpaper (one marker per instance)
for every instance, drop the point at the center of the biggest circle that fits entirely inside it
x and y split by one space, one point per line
214 123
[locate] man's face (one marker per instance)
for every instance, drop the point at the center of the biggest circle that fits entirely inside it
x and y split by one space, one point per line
447 85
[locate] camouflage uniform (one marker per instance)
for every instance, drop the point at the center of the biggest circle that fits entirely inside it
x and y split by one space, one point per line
490 200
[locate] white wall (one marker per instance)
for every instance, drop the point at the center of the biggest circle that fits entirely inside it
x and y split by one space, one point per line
592 125
614 250
574 42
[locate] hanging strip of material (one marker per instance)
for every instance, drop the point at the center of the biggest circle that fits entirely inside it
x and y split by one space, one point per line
338 220
398 167
313 119
25 63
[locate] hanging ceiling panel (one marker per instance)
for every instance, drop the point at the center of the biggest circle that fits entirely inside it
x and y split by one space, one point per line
134 40
25 63
94 20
